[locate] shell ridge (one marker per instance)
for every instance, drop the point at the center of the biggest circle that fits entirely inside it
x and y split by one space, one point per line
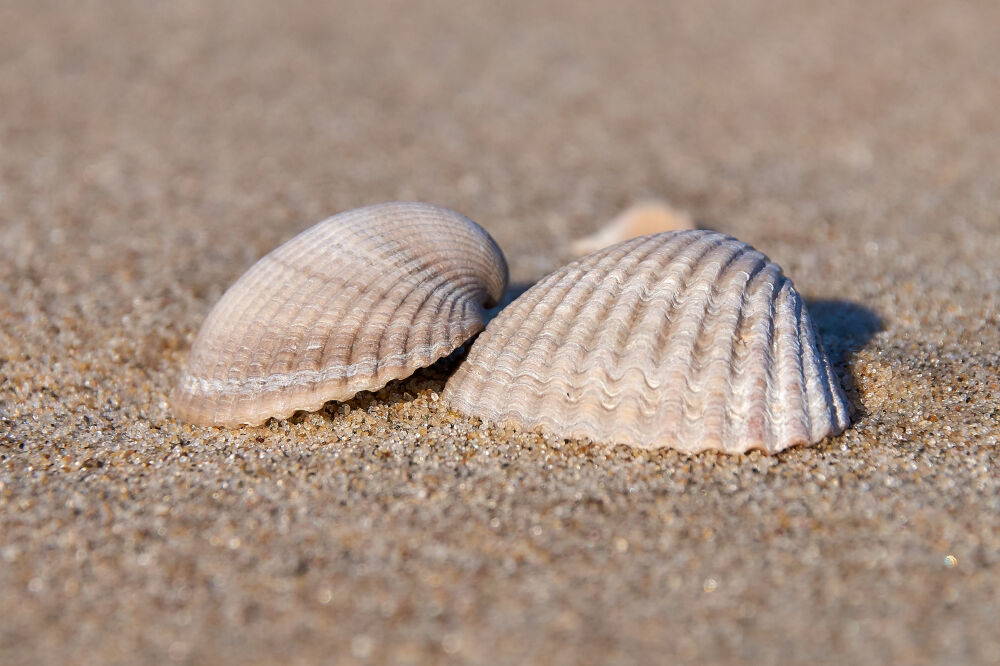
468 371
452 300
466 317
266 300
380 251
548 330
651 289
800 418
772 386
474 247
379 292
229 303
570 357
422 353
271 302
651 293
458 326
428 290
842 406
225 308
713 304
586 381
585 371
413 340
685 319
526 329
427 295
817 393
353 232
590 349
788 389
829 388
475 371
336 303
828 399
711 265
472 311
676 285
537 391
309 314
705 306
752 367
583 386
733 427
713 361
563 359
655 289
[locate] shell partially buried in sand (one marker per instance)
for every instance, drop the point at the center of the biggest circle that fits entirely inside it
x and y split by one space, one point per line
348 305
642 219
691 340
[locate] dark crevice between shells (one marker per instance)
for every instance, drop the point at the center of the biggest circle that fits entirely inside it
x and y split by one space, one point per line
514 290
433 376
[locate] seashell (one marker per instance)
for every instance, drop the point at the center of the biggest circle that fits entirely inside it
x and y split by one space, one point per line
691 340
642 219
358 300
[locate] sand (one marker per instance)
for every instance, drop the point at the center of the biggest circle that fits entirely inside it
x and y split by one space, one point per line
151 152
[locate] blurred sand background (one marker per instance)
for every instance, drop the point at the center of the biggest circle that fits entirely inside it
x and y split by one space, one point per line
151 152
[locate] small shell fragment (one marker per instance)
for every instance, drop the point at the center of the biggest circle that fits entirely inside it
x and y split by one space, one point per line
691 340
642 219
360 299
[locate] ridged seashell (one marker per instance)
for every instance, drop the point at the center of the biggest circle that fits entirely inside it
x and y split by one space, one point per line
642 219
691 340
358 300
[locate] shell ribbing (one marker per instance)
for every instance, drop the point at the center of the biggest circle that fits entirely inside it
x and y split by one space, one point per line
348 305
690 340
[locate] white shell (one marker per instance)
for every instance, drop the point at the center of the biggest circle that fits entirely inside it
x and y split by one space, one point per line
348 305
691 340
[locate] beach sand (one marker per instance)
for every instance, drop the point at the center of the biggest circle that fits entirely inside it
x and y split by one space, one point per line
151 152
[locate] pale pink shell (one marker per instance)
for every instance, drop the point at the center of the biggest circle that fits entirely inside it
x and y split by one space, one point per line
689 339
641 219
348 305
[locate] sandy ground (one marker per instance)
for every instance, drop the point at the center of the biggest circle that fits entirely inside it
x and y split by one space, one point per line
150 152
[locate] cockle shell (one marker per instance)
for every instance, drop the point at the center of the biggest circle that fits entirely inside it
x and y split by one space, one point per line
348 305
641 219
691 340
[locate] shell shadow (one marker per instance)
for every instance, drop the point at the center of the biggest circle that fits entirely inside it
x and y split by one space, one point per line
845 328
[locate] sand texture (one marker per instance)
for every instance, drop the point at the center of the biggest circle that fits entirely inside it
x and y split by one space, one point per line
151 152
